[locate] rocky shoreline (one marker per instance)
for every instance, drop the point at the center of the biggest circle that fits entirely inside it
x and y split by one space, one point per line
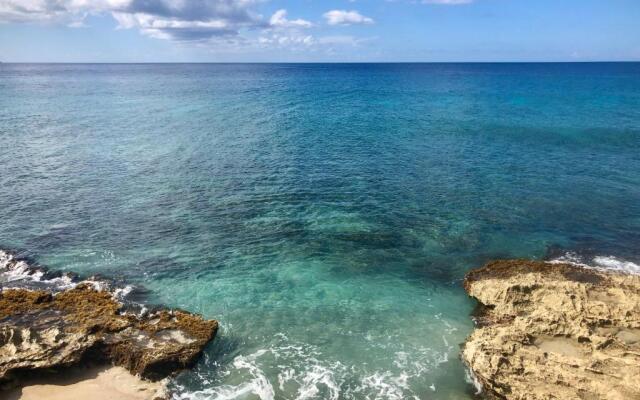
49 330
554 331
544 330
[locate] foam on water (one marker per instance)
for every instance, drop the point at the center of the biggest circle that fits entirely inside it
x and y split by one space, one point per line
470 378
614 263
255 383
605 263
15 272
304 372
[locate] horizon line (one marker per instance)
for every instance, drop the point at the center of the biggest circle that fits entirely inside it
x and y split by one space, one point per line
324 62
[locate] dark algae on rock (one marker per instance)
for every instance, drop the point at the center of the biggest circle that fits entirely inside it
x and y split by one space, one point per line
43 330
554 331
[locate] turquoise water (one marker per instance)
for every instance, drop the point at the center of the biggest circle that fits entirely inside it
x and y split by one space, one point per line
325 214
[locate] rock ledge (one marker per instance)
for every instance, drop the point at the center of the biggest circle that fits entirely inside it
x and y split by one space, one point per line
554 331
41 330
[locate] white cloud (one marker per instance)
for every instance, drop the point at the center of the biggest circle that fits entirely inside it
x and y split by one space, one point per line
169 19
77 24
286 40
279 20
344 17
230 26
172 28
342 40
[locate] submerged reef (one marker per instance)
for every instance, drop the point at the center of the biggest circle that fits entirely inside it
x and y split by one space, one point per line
554 331
41 330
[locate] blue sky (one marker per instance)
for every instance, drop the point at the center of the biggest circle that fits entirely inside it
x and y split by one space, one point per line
314 30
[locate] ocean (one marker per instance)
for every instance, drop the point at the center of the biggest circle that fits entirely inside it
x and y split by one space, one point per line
325 214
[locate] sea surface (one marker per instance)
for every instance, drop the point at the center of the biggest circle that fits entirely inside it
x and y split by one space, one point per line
325 214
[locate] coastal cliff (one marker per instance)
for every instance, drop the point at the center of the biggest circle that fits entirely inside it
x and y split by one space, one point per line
554 331
42 330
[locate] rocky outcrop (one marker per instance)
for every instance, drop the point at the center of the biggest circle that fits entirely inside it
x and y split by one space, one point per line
554 331
42 330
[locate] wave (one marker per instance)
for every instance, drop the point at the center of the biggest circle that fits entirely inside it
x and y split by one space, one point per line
611 262
16 272
600 262
294 370
312 380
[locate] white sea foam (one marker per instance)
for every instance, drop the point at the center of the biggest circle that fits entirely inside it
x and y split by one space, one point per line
314 379
260 384
614 263
97 285
605 263
385 385
570 258
21 271
13 270
473 380
299 371
122 293
257 385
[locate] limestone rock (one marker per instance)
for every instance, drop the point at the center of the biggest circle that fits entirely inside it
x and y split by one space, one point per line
43 330
554 331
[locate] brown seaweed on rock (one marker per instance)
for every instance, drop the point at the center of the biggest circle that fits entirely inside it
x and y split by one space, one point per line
40 330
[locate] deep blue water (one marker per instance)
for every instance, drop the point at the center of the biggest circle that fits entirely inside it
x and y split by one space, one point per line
325 214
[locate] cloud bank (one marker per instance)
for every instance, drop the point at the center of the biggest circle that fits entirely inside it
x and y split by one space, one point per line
229 25
168 19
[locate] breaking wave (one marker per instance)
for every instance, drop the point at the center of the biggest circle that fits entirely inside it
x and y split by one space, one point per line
303 374
606 263
16 272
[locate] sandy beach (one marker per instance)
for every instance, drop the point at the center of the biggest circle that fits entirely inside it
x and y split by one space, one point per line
98 383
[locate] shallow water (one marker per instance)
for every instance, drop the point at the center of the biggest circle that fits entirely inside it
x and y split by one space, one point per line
325 214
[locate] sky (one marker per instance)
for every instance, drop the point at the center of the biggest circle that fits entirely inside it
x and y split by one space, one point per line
318 30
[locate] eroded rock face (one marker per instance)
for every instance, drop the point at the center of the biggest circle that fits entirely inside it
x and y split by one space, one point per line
40 330
554 331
